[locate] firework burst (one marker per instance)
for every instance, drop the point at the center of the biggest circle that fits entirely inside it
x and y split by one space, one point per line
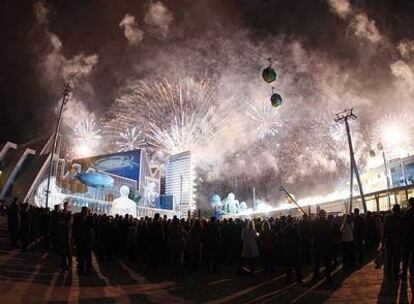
394 132
87 136
265 119
130 139
177 115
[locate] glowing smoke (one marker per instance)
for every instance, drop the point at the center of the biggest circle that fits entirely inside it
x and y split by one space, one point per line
392 131
87 137
131 30
159 17
176 115
307 150
340 7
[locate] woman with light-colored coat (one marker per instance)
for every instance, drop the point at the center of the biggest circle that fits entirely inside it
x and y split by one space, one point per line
250 250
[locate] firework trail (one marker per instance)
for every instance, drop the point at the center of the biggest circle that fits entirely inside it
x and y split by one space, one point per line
175 115
87 137
265 118
393 133
130 139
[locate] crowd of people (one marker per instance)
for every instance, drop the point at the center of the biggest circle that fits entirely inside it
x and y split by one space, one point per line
285 243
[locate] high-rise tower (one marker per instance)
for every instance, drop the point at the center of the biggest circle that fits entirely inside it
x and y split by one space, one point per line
179 182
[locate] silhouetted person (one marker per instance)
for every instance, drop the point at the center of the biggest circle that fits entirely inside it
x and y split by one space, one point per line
408 259
211 241
53 227
25 226
347 242
64 237
195 240
176 243
305 228
44 227
290 244
393 240
250 251
322 245
336 240
359 232
155 241
267 241
13 222
83 234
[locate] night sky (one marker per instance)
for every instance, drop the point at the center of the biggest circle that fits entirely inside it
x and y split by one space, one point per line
330 55
90 26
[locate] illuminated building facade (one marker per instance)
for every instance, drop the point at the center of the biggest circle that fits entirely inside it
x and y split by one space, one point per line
400 172
95 182
179 182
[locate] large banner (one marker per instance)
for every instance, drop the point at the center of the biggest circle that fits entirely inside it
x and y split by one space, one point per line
124 164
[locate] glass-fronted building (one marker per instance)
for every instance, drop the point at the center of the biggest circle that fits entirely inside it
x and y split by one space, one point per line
179 182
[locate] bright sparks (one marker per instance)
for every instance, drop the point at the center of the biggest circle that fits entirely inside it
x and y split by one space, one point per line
265 119
87 137
177 115
394 132
131 139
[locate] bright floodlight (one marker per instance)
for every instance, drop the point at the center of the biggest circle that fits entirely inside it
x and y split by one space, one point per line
87 137
392 135
393 131
83 150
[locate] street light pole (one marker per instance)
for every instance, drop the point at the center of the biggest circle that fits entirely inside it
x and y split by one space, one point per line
386 177
181 193
343 117
65 95
254 197
283 189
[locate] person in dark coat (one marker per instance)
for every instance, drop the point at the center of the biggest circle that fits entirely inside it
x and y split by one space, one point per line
25 226
322 235
408 260
336 240
393 240
13 222
267 242
45 220
53 227
155 238
195 241
290 244
176 244
64 237
304 227
83 234
359 234
211 241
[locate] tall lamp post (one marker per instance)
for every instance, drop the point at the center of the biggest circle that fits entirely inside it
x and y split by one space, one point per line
65 94
344 117
283 189
381 148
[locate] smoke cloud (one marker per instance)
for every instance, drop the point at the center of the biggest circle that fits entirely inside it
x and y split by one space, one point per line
56 65
159 17
56 69
324 65
361 25
131 30
366 28
341 7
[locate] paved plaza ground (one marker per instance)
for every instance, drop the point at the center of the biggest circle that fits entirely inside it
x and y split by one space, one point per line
34 277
